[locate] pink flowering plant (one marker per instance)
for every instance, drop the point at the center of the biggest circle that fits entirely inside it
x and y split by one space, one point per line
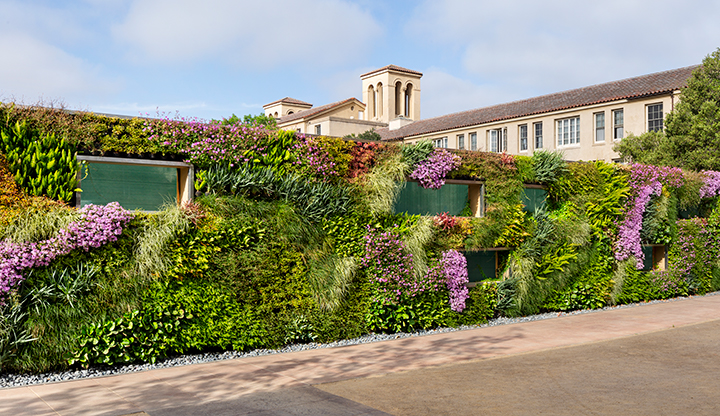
207 143
312 159
97 226
400 300
711 184
646 181
451 269
431 172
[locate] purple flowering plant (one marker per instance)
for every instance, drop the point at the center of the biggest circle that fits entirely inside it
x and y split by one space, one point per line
390 267
312 159
451 269
645 182
431 172
711 184
207 143
97 226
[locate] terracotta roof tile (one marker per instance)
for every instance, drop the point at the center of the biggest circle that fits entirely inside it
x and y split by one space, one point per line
289 100
392 68
645 85
314 111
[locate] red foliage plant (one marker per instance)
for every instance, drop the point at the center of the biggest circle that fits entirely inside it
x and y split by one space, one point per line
363 159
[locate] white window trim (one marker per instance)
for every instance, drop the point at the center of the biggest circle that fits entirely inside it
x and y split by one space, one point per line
573 126
535 136
473 145
622 110
441 142
520 138
604 127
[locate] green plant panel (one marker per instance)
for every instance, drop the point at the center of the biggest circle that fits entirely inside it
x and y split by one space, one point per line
414 199
133 186
481 265
533 199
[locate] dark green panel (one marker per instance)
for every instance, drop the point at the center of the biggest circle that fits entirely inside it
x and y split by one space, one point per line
533 199
414 199
481 265
648 263
133 186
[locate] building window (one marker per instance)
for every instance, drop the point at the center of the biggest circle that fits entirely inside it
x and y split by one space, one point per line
441 142
568 131
461 141
655 117
318 129
538 135
599 127
473 141
498 140
523 138
618 123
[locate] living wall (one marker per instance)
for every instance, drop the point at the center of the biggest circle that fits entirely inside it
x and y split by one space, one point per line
293 239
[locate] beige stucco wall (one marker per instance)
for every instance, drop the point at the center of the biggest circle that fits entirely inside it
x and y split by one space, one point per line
351 111
389 79
283 109
635 121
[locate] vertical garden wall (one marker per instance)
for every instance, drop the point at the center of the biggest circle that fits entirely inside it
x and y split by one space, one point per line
294 239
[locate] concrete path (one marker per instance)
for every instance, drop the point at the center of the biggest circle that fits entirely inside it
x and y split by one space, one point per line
652 359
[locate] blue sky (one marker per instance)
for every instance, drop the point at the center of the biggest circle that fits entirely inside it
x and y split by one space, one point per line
213 58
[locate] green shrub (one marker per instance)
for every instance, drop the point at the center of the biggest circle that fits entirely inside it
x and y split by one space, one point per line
481 304
426 310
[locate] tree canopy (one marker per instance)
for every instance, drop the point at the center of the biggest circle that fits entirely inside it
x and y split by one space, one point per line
692 130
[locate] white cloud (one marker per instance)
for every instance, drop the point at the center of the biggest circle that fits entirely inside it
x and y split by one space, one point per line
443 93
555 44
33 69
251 34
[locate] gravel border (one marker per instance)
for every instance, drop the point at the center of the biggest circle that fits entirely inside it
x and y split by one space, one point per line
20 380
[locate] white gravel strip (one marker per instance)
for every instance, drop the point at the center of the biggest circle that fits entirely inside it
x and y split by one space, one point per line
19 380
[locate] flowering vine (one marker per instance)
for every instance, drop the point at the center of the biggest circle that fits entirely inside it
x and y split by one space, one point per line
431 172
97 226
645 182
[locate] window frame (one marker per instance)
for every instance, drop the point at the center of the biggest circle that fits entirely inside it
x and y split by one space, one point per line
440 143
618 127
473 141
538 137
655 120
523 138
461 141
318 129
599 130
501 136
570 127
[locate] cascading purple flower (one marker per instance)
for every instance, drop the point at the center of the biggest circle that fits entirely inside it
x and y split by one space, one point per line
452 270
645 182
711 184
97 226
431 172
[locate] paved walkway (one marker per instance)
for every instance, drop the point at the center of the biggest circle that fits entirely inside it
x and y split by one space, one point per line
653 359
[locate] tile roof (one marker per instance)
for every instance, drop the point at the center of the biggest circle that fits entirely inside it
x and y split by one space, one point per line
314 111
289 100
392 68
645 85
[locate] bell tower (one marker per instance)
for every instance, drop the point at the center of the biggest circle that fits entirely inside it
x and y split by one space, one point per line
391 92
